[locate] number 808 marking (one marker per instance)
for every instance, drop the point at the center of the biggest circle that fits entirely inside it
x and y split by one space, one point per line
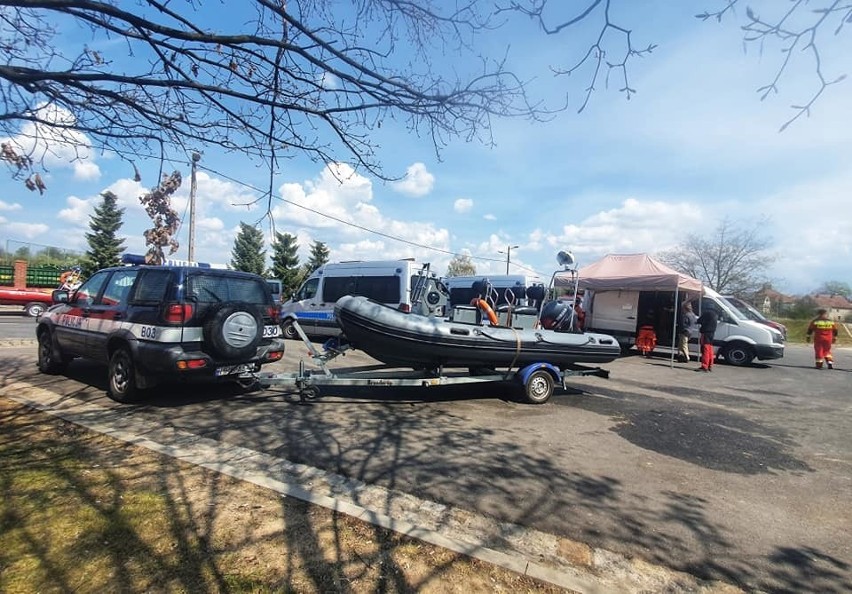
149 332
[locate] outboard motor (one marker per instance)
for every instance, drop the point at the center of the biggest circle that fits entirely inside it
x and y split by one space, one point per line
557 315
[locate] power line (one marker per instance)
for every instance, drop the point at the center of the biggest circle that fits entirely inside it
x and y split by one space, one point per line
361 227
333 218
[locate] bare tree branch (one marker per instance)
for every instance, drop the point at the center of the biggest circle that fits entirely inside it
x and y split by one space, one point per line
296 77
732 260
795 31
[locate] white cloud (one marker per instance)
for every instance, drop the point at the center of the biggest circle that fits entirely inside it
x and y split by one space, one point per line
635 226
489 217
462 205
86 170
26 230
347 198
78 211
57 147
7 206
417 181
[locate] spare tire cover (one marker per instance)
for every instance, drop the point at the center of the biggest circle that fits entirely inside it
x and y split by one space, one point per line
233 331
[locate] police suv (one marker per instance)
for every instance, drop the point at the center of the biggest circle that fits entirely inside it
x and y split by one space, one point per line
153 324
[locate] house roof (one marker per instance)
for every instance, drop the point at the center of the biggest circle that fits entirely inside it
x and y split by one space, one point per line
832 301
638 272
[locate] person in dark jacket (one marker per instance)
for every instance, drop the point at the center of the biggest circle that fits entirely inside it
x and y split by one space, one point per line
707 322
685 322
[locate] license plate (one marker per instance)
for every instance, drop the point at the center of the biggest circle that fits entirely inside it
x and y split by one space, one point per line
234 369
271 331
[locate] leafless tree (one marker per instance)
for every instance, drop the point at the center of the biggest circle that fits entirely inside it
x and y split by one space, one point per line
794 29
161 78
281 78
734 259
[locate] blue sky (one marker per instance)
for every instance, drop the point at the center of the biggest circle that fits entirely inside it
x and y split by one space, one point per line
694 145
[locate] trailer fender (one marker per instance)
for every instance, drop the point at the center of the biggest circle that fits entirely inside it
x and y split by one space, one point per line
524 373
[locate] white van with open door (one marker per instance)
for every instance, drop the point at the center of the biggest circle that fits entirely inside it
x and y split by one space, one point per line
621 313
401 284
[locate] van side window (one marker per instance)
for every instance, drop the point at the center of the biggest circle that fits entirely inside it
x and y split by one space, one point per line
384 289
308 290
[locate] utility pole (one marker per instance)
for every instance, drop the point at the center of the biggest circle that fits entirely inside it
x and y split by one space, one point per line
196 157
508 253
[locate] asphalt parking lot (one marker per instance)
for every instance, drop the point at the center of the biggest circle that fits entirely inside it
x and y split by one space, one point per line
742 475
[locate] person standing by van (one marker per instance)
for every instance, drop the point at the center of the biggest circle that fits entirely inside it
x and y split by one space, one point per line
685 323
707 321
824 331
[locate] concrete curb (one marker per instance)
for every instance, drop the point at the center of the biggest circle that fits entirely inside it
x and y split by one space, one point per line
556 560
18 342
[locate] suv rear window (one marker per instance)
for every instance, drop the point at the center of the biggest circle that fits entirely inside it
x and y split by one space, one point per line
212 288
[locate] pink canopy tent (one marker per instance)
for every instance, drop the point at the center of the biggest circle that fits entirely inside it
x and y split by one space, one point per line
638 272
632 272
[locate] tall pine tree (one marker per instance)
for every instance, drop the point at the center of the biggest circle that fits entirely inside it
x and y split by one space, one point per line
319 256
104 246
285 262
248 254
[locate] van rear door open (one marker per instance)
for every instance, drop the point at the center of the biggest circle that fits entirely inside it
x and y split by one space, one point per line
614 311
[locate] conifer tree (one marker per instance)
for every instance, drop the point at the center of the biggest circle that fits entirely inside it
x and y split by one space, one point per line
105 247
285 262
319 256
248 254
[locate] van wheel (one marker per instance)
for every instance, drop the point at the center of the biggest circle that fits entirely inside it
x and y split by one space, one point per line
539 387
232 331
121 378
739 354
289 330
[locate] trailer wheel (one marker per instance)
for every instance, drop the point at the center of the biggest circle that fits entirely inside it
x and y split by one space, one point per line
539 387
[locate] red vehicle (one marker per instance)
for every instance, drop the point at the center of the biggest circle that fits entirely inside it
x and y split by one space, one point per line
34 301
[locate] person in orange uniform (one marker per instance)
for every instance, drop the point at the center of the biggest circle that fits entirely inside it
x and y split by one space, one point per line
824 332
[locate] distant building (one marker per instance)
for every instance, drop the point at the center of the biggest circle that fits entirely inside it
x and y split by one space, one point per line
839 307
773 303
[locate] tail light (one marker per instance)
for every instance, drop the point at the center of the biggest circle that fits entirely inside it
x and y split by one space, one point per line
273 313
178 313
405 307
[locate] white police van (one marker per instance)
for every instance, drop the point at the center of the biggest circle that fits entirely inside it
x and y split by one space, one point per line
401 284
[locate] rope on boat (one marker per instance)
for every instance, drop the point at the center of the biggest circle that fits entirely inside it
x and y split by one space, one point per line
517 353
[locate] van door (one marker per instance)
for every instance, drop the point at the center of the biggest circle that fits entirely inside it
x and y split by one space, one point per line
304 306
614 312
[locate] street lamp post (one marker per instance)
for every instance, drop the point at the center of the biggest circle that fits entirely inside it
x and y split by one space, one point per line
508 253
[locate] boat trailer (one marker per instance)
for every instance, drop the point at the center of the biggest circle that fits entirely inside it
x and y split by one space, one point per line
537 379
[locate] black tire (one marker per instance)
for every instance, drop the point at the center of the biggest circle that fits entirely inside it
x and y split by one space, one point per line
288 330
539 387
35 309
121 378
232 331
739 354
50 359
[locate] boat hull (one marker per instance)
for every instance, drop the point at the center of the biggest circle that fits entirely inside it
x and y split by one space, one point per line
410 340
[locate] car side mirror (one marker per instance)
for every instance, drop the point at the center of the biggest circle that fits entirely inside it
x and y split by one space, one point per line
60 296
